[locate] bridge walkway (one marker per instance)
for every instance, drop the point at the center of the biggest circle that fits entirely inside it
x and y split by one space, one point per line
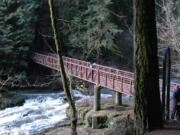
108 77
170 128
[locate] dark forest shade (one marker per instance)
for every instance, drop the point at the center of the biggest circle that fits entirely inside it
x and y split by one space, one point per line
17 28
147 109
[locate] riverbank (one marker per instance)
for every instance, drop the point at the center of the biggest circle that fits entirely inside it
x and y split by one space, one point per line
118 119
39 112
44 112
11 98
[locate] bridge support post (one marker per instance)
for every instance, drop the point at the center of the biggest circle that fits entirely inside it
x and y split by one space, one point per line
97 98
166 84
118 98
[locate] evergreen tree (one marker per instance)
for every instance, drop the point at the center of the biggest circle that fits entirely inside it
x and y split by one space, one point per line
91 30
148 115
95 30
17 30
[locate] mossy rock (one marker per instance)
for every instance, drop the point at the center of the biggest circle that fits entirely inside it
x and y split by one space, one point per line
81 112
5 103
97 121
18 101
125 127
10 102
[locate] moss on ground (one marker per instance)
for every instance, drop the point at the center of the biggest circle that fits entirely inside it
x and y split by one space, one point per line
112 115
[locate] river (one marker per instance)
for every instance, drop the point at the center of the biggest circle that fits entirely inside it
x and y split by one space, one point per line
39 112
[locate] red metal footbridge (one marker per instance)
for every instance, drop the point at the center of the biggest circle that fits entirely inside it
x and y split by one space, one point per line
108 77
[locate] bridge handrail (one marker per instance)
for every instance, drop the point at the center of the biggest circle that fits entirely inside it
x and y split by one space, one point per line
100 67
126 77
101 71
115 71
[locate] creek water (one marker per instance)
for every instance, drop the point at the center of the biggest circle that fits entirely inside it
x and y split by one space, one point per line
39 112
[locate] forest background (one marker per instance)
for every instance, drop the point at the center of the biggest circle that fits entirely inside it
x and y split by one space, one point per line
91 30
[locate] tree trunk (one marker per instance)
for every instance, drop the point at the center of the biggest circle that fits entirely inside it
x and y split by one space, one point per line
63 74
148 115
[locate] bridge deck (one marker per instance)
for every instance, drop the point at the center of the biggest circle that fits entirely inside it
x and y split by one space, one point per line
108 77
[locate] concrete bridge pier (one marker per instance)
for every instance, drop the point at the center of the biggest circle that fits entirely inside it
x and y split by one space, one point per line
118 98
97 98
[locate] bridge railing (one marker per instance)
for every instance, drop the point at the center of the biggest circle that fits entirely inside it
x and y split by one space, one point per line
115 79
100 67
116 71
101 75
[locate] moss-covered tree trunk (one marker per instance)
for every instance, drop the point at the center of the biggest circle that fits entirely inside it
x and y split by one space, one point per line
148 115
63 74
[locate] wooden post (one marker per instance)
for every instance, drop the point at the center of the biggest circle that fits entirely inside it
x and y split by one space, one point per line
118 98
131 87
86 74
97 98
122 85
113 81
76 70
71 68
106 80
98 77
92 72
80 71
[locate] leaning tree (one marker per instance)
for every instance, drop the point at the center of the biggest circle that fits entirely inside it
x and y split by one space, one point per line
147 109
63 73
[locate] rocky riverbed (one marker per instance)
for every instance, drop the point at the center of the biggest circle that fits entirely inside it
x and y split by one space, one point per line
118 119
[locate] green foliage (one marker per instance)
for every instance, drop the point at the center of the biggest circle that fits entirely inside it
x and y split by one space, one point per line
96 31
91 30
17 33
